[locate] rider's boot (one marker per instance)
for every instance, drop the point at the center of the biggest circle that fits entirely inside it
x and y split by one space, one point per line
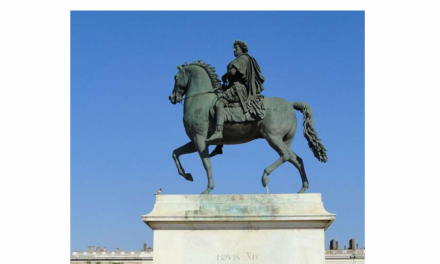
217 135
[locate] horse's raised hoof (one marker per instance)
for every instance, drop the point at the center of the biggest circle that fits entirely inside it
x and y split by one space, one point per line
265 180
304 188
188 177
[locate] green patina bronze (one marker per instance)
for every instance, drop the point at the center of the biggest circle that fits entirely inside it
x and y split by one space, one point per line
236 113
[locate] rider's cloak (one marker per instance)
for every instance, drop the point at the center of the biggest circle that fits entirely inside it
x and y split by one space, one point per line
249 74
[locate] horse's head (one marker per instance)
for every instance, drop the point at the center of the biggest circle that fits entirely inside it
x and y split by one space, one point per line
180 85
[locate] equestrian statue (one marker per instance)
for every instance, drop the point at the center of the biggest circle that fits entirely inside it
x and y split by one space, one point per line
235 112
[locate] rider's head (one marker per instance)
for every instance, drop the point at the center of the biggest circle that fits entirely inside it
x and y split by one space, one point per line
242 45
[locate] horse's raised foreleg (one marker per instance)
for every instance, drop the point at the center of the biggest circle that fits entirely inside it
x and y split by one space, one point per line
298 163
203 150
185 149
278 145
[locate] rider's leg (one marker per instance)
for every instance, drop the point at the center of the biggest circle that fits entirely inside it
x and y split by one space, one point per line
220 116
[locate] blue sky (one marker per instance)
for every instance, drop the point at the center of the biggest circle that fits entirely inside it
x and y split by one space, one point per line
124 129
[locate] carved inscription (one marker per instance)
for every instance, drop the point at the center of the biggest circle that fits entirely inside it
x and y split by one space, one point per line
224 257
237 257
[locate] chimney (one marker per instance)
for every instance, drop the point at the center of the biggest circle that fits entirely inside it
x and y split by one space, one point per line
90 249
337 245
332 244
351 244
145 247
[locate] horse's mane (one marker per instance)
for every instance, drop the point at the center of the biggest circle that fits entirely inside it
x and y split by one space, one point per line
215 81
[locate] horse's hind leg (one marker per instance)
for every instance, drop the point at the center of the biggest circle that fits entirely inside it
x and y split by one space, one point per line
298 163
265 179
185 149
296 160
203 150
278 145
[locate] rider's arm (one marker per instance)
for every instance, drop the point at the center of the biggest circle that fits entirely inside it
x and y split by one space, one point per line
232 72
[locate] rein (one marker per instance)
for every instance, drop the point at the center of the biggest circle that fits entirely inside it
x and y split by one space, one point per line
186 97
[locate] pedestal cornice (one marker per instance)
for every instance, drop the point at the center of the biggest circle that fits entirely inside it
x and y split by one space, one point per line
267 211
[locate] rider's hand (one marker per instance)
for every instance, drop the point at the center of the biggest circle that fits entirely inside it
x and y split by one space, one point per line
224 78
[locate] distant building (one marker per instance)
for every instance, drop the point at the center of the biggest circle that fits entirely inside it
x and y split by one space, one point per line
353 254
102 256
334 255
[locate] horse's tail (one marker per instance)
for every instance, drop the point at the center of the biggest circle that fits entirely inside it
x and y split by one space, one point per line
309 131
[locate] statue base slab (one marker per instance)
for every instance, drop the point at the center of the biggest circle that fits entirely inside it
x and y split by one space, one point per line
226 229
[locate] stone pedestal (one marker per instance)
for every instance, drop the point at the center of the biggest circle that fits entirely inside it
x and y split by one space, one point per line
233 229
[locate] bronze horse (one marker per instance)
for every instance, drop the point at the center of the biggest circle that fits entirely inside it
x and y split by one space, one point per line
197 81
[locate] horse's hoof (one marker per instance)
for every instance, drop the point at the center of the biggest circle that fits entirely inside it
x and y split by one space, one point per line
265 180
304 188
207 191
189 177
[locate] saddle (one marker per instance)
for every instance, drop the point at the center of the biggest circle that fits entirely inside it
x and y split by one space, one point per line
234 111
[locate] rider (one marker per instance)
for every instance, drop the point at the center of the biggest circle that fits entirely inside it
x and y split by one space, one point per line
244 85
